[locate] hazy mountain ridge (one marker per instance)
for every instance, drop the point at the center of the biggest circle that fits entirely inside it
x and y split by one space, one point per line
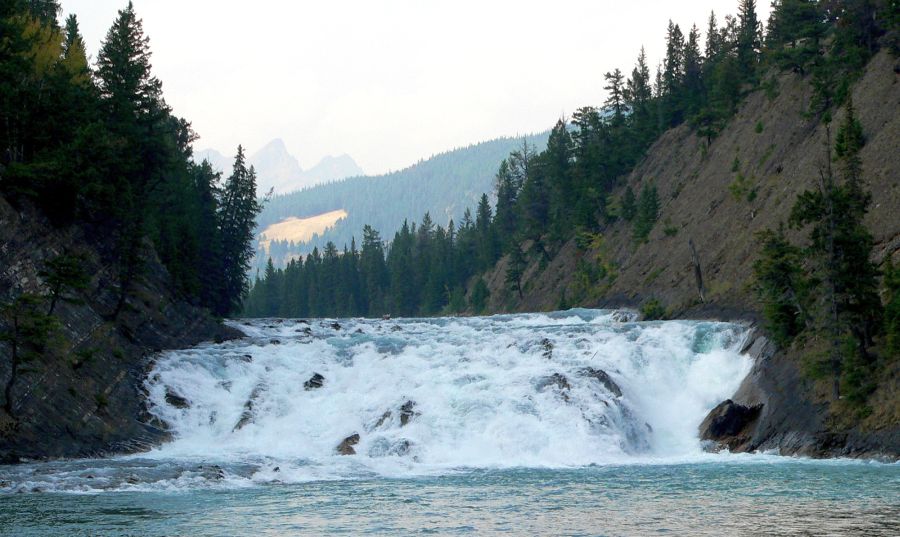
277 169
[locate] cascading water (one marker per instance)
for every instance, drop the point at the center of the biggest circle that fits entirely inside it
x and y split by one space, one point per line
413 396
580 423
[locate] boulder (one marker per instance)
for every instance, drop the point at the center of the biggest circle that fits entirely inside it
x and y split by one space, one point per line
728 423
547 345
407 412
247 414
556 379
176 400
316 381
346 445
603 378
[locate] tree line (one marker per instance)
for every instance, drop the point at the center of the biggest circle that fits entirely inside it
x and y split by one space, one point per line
98 147
565 191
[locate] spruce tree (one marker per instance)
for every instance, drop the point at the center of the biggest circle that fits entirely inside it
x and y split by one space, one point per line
237 217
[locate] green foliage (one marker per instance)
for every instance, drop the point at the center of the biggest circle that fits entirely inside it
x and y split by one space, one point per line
742 188
781 284
892 309
839 297
27 331
628 205
653 310
647 213
101 150
759 128
479 297
64 274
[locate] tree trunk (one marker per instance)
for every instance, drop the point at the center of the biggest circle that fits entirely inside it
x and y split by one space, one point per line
698 273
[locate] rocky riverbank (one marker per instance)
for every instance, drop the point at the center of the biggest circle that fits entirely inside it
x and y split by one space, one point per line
82 394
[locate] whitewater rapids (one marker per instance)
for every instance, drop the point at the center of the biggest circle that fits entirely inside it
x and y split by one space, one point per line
563 389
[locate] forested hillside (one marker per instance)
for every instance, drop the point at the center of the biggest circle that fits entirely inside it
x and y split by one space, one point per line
443 185
112 236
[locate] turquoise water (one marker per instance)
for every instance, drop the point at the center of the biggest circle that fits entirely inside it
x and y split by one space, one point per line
569 423
731 496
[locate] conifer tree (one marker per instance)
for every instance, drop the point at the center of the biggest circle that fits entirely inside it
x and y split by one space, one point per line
237 217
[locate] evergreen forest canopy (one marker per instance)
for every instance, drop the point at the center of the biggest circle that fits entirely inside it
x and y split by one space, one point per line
441 185
98 147
545 198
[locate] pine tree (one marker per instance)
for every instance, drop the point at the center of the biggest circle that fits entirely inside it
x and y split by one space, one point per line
237 217
841 250
515 269
782 286
647 212
615 100
749 40
628 205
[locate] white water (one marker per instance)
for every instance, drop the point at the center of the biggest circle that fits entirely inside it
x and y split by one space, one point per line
480 388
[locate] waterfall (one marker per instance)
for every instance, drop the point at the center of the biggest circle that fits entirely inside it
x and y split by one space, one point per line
334 398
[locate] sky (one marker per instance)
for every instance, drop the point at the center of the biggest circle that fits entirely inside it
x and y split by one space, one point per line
388 82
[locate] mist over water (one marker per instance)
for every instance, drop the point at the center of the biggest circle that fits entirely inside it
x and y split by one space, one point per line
523 424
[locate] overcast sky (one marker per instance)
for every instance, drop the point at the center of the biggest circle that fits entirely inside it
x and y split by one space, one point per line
388 81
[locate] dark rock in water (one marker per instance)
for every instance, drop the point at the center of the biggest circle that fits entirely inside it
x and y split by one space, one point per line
314 382
603 378
359 331
400 448
305 330
396 328
547 345
384 417
729 423
176 400
556 379
246 358
302 321
275 342
407 412
213 471
276 469
335 326
247 414
346 446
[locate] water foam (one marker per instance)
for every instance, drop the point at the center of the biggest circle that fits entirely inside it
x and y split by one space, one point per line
540 390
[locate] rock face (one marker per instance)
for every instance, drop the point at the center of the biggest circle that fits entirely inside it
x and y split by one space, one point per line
316 381
727 424
346 445
789 419
84 396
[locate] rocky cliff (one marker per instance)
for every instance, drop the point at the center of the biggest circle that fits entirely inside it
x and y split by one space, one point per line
717 195
82 396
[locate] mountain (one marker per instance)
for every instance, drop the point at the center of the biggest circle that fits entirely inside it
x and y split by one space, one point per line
332 169
278 170
443 185
217 160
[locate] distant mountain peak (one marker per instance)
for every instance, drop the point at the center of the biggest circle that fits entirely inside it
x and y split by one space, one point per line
276 168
